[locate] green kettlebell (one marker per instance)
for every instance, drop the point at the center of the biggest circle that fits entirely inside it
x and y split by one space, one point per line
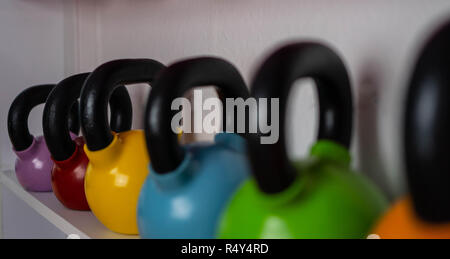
319 197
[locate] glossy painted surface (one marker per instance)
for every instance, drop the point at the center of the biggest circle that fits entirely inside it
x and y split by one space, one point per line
187 202
327 201
68 179
401 222
114 178
34 166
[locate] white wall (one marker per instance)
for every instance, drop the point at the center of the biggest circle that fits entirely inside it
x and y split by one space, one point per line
31 52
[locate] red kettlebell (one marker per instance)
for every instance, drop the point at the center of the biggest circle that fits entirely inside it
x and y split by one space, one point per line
70 160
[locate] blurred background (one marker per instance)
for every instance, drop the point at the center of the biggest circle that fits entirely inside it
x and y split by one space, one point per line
43 41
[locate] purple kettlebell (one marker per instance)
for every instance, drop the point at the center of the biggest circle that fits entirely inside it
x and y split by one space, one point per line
33 163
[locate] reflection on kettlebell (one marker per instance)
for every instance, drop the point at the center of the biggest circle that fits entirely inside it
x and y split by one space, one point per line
425 212
68 155
33 164
316 198
188 187
117 161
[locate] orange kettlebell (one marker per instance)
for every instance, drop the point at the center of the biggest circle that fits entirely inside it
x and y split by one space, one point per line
425 212
402 222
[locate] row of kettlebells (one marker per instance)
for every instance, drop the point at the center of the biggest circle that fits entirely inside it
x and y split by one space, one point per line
235 187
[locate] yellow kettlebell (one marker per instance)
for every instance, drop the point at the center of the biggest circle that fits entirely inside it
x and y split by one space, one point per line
117 161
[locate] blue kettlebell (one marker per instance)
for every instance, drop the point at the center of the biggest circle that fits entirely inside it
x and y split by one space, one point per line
189 186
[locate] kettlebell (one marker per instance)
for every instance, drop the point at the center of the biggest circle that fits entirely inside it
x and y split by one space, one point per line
320 197
33 164
69 159
188 186
425 211
117 161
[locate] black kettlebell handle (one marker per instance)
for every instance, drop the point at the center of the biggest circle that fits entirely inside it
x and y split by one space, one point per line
57 108
97 91
163 147
271 166
20 109
426 130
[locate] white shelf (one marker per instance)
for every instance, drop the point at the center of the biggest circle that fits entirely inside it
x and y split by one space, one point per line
71 222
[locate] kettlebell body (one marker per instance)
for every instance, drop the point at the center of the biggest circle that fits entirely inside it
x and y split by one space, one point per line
68 178
33 164
187 203
114 178
402 222
327 201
